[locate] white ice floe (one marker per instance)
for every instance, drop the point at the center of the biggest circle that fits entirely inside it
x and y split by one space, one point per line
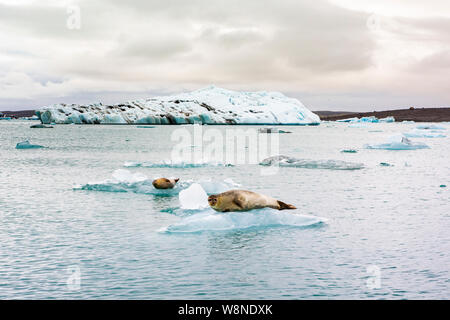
423 133
427 126
398 142
209 220
285 161
175 164
211 105
126 181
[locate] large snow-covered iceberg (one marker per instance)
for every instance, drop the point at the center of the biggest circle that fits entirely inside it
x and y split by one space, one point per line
211 105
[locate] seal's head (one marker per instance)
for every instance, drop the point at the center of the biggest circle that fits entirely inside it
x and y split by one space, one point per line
164 183
213 201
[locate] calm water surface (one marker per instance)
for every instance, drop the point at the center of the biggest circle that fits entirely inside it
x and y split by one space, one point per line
392 219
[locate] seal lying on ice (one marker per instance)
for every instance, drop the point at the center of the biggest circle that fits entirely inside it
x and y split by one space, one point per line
243 200
164 183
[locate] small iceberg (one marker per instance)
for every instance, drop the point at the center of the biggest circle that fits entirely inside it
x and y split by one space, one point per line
272 130
28 145
370 119
348 120
387 120
398 142
40 126
423 133
125 181
209 220
285 161
385 164
426 126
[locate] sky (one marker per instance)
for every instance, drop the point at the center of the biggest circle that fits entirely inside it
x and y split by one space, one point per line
352 55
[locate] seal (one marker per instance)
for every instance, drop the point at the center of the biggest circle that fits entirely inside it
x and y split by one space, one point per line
243 200
164 183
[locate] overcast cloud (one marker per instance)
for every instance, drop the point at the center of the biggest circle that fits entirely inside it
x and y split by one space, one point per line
332 55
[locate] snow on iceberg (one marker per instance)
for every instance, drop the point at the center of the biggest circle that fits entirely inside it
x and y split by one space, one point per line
193 198
285 161
398 142
211 105
125 181
210 220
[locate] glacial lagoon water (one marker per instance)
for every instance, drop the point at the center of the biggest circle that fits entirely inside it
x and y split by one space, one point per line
74 227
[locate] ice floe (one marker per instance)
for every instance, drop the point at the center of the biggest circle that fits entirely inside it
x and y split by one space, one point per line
40 126
176 164
210 220
424 133
211 105
285 161
398 142
426 126
371 119
272 130
28 145
125 181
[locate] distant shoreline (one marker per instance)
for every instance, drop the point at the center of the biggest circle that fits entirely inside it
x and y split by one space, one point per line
413 114
416 114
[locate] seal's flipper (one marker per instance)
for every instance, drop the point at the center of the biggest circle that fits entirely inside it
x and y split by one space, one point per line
238 203
284 206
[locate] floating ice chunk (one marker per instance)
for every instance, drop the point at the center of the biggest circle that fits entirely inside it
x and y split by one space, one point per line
272 130
357 125
387 120
125 181
385 164
426 126
423 133
28 145
40 126
369 119
398 142
209 220
193 198
285 161
176 164
348 120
